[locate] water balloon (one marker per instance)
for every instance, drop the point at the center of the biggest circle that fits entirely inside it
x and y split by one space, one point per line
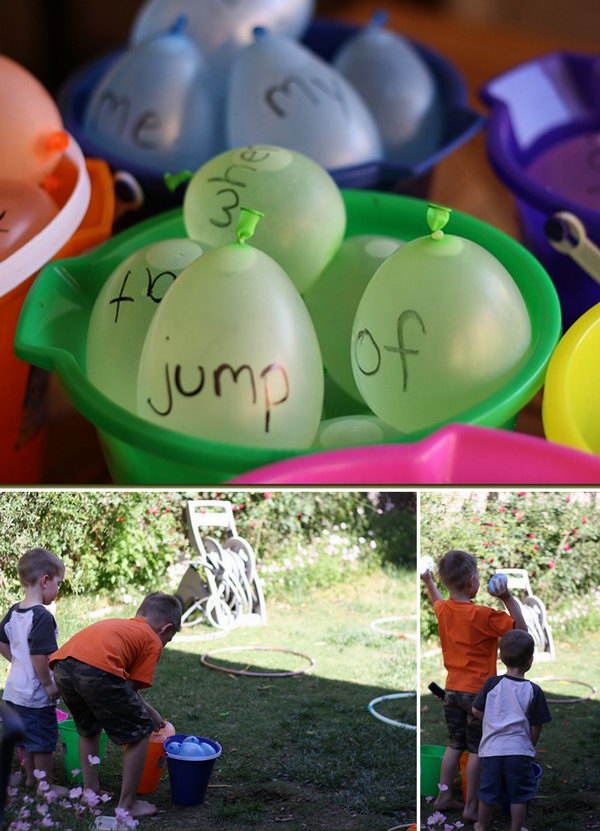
353 431
398 87
305 217
123 310
281 93
24 210
333 298
173 747
153 107
190 749
32 138
440 327
231 354
498 584
207 749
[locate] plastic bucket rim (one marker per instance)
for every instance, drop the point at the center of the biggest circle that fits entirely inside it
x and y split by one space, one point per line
115 421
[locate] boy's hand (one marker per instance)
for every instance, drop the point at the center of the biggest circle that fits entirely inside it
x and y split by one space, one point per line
51 690
426 566
158 722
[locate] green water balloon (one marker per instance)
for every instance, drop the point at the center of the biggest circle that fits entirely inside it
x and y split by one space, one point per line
353 431
305 216
333 299
123 310
232 356
440 327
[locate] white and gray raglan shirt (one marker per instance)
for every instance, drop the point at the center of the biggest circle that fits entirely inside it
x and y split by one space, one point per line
28 632
510 706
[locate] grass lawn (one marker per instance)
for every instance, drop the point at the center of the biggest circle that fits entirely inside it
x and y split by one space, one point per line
300 752
568 795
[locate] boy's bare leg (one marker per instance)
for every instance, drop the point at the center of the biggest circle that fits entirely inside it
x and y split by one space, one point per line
485 814
133 764
471 811
518 811
89 746
43 761
28 766
450 761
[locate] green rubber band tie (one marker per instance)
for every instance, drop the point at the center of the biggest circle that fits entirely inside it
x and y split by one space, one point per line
173 180
437 218
247 223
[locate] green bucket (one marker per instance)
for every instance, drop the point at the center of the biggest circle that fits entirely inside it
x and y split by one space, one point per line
431 763
70 741
52 333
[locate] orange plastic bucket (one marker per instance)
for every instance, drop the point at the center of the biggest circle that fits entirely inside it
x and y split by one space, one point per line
155 759
85 193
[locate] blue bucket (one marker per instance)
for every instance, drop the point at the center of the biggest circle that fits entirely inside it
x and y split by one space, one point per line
189 775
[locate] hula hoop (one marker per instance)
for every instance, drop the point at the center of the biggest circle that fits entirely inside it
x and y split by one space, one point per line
208 664
568 681
374 625
373 711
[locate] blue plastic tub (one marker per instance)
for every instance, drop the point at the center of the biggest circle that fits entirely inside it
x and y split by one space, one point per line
545 122
324 37
189 776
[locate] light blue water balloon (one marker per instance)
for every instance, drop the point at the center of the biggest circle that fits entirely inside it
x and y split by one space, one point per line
281 93
399 88
153 106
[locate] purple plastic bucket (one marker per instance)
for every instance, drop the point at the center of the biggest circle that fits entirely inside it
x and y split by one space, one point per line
189 776
543 141
324 37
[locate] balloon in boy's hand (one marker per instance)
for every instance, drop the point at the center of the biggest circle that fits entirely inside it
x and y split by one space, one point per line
333 298
440 328
280 92
231 354
398 87
153 107
304 214
24 210
32 138
123 310
426 564
498 584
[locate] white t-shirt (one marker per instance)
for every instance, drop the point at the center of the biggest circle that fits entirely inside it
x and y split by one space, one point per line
28 632
510 706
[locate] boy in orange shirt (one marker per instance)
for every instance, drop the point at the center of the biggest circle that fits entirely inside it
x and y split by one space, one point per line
469 638
99 672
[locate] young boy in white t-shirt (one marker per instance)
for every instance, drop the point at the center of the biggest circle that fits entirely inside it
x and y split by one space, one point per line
513 711
27 639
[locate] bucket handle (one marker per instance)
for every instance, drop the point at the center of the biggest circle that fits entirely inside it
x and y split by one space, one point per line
566 233
128 192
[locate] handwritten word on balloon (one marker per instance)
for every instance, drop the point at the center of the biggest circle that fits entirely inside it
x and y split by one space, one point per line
116 110
312 90
367 352
155 290
174 386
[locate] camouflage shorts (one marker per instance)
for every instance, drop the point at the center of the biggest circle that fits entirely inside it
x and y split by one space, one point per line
100 700
464 729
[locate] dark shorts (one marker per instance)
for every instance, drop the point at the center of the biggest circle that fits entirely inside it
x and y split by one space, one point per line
40 728
507 779
464 729
100 700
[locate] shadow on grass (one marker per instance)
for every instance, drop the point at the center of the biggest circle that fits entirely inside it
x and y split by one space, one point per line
301 753
568 754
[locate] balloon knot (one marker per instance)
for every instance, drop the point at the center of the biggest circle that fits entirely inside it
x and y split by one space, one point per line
173 180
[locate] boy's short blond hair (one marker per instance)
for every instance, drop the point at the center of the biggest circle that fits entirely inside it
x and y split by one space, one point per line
456 567
516 648
39 562
158 608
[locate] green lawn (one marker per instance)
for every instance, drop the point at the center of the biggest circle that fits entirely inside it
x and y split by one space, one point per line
568 748
302 752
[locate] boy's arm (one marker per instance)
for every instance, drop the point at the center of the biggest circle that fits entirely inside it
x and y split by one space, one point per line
157 720
477 713
536 729
5 651
432 589
513 607
42 670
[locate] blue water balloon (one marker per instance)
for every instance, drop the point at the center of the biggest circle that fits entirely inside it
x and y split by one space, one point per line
153 106
399 88
281 93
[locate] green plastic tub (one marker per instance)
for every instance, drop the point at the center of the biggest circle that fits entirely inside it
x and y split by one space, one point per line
70 741
53 325
431 764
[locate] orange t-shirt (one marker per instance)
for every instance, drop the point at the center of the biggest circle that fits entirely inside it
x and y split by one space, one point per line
129 648
469 636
